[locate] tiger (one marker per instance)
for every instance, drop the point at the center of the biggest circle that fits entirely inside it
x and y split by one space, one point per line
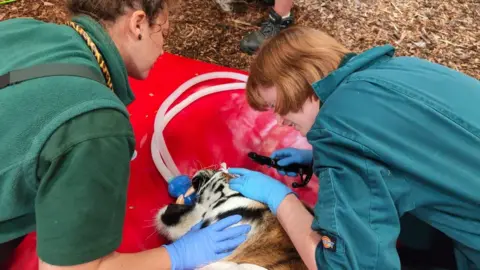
267 246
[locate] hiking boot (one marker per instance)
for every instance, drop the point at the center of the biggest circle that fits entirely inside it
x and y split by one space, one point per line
268 29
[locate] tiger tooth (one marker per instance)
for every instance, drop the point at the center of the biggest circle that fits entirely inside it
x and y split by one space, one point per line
189 192
180 200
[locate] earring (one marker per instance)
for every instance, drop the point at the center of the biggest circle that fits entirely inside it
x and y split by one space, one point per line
139 35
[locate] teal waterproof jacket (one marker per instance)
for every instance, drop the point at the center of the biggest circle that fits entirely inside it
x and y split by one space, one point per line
395 135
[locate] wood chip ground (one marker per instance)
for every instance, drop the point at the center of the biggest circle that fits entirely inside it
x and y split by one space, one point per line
443 31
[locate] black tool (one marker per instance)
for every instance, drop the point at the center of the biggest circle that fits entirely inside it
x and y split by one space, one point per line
304 171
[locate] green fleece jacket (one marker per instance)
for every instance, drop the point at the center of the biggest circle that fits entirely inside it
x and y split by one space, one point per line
66 143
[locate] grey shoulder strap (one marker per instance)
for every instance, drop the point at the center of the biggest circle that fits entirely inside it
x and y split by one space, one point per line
48 70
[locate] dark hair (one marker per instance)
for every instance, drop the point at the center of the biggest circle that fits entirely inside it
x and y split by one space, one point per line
110 10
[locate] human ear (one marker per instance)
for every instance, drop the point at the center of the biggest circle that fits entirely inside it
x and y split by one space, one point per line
138 23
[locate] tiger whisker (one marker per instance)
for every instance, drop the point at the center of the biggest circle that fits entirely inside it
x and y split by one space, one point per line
152 223
152 234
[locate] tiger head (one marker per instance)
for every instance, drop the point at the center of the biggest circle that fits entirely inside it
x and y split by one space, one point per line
215 200
267 244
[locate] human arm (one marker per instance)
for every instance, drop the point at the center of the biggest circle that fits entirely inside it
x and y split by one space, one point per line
80 205
154 259
357 209
356 212
215 242
296 221
290 211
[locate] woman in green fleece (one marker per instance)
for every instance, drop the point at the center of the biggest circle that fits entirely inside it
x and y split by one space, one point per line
66 141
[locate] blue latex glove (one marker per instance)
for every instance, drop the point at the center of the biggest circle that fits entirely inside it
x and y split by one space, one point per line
259 187
287 156
200 247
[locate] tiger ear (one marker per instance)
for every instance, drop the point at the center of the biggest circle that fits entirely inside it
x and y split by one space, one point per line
201 177
227 177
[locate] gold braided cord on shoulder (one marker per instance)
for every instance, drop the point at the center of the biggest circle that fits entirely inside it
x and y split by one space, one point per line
95 51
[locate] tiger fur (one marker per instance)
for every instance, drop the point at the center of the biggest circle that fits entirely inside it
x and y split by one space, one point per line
267 243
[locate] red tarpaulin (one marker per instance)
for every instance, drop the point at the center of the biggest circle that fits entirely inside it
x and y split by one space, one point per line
214 129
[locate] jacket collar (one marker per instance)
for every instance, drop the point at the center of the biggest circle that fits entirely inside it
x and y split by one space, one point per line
350 64
111 55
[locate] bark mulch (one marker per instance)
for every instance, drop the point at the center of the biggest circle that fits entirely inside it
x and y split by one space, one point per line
445 32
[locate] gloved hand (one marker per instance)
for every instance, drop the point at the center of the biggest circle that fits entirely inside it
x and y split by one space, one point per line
259 187
289 156
200 247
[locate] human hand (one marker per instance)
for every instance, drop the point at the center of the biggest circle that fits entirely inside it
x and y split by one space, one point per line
259 187
200 247
287 156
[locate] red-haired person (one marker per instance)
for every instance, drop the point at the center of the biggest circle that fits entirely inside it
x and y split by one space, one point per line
392 138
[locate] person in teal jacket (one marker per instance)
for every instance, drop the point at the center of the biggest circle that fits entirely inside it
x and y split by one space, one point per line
66 139
391 137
